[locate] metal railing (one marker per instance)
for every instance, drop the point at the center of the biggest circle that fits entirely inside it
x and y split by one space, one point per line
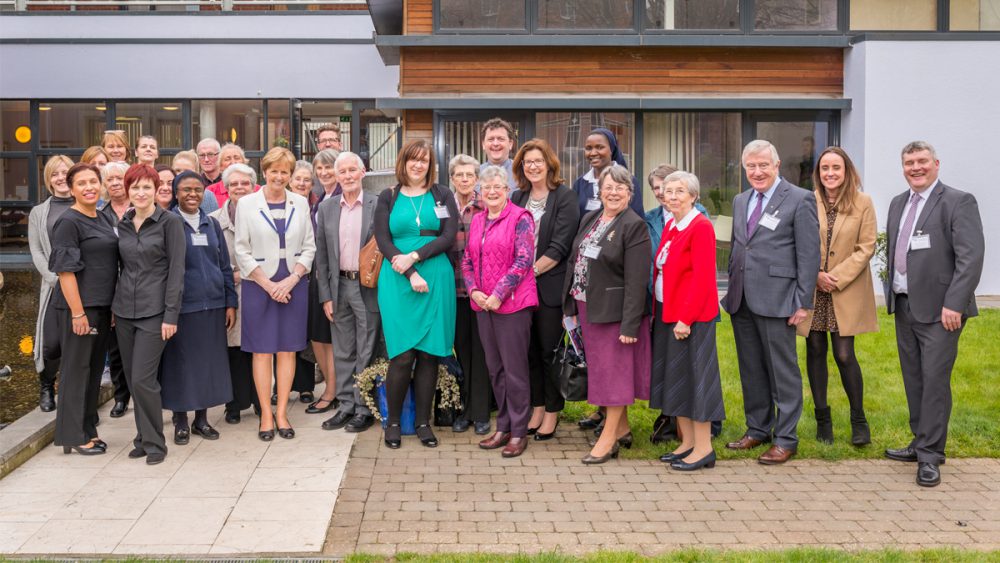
173 5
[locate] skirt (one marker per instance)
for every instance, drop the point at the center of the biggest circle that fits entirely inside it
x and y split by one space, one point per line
617 374
267 326
194 372
685 376
317 325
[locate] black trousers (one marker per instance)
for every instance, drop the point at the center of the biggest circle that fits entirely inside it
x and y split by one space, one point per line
140 342
82 366
241 374
477 393
546 330
51 349
116 366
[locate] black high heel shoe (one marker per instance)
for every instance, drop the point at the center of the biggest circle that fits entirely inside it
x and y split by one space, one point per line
589 422
543 437
393 436
671 457
266 435
592 460
99 443
707 461
84 450
427 437
286 433
625 441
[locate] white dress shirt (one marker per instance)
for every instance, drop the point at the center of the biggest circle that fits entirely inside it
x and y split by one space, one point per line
899 284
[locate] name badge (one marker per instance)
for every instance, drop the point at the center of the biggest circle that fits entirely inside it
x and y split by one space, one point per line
592 252
199 239
593 204
769 222
920 242
441 212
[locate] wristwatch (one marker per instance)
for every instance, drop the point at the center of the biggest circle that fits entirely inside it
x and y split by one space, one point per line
535 268
415 256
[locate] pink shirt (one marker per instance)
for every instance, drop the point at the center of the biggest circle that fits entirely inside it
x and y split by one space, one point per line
350 234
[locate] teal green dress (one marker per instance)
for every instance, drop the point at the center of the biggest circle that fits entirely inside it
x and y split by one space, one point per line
410 320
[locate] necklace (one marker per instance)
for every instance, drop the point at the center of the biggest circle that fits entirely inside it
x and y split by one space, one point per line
536 204
417 211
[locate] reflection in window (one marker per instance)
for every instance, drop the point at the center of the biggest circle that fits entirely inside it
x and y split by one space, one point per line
482 14
279 125
462 137
567 133
14 180
798 143
975 15
229 121
908 15
64 126
692 14
585 14
379 139
796 15
162 120
15 126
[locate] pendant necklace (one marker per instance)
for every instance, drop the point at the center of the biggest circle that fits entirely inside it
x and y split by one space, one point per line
415 210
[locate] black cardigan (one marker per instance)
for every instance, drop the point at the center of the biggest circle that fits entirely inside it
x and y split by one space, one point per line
555 238
445 235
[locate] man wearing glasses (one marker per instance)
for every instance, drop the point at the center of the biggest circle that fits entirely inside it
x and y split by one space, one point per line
208 158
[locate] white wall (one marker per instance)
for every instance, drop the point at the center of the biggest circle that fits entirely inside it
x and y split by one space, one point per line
944 92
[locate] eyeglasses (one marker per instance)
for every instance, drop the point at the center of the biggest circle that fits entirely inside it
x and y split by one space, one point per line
463 175
764 167
615 189
207 155
492 188
534 163
673 192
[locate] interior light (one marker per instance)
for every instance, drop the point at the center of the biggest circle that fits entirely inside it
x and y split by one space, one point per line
101 108
44 108
22 134
170 108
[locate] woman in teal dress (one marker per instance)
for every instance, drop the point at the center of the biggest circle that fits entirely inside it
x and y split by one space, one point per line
415 226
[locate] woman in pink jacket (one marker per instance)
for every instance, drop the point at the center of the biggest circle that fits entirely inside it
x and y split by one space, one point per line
499 255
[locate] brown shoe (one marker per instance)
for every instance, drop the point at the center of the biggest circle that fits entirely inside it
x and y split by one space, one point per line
514 449
775 456
744 443
497 440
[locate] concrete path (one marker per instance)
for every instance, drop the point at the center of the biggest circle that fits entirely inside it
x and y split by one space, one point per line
236 495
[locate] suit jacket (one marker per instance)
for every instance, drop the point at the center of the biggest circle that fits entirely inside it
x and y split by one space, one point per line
257 243
328 247
556 231
616 287
848 259
774 271
947 273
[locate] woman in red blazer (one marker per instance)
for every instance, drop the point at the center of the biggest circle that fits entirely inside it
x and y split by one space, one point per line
685 378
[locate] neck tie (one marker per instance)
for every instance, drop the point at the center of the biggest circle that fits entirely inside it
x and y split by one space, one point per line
902 243
755 216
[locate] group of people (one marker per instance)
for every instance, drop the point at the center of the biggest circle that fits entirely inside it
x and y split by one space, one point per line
493 270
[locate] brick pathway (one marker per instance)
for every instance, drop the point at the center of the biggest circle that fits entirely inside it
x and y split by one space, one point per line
459 498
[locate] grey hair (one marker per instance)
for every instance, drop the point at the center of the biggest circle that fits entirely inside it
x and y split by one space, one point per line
327 157
690 181
462 160
211 141
232 147
916 146
238 168
618 174
300 164
120 167
493 171
660 172
759 146
345 155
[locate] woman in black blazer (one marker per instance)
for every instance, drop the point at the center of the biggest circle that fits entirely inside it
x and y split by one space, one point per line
543 192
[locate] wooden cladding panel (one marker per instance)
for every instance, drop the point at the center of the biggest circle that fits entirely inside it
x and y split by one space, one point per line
598 70
418 124
418 17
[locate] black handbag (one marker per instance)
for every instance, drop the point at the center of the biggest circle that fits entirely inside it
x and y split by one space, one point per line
572 370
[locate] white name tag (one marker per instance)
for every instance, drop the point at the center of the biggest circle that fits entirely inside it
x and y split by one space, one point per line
769 222
593 204
441 212
592 252
199 239
920 242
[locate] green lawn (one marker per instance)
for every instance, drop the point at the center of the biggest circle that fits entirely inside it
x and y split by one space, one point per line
708 556
976 404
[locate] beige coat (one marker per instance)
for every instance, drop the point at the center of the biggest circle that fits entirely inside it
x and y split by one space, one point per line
851 249
229 232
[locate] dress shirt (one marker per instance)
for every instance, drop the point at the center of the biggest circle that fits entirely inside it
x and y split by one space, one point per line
350 233
152 274
899 284
767 199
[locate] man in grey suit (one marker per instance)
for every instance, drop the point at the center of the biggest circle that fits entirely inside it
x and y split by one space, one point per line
343 226
772 276
935 260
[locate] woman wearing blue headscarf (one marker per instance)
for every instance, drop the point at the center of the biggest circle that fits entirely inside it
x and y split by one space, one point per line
600 150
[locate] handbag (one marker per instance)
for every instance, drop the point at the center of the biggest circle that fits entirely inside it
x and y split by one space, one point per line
369 264
572 371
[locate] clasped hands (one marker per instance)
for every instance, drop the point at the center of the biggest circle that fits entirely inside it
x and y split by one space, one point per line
282 291
486 303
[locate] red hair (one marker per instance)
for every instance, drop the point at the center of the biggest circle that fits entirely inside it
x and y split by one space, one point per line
138 172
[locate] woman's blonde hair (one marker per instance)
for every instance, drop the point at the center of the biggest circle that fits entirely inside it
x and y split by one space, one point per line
118 136
278 155
50 168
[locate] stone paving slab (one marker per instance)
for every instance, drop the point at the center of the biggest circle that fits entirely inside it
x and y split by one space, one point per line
458 497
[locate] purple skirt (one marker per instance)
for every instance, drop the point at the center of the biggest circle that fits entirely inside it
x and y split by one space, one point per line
617 374
267 326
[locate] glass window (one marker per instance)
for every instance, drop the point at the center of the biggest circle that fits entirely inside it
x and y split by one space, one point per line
482 14
586 14
64 126
796 15
909 15
462 137
975 15
162 120
567 133
233 121
692 14
15 126
798 144
279 124
14 180
378 139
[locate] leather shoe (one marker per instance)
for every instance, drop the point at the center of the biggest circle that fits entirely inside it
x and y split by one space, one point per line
707 462
590 422
359 423
232 417
592 460
46 398
136 453
928 474
461 424
313 409
337 421
182 435
514 449
495 441
119 409
153 459
206 432
776 455
393 436
541 437
671 457
907 454
482 428
307 397
745 443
